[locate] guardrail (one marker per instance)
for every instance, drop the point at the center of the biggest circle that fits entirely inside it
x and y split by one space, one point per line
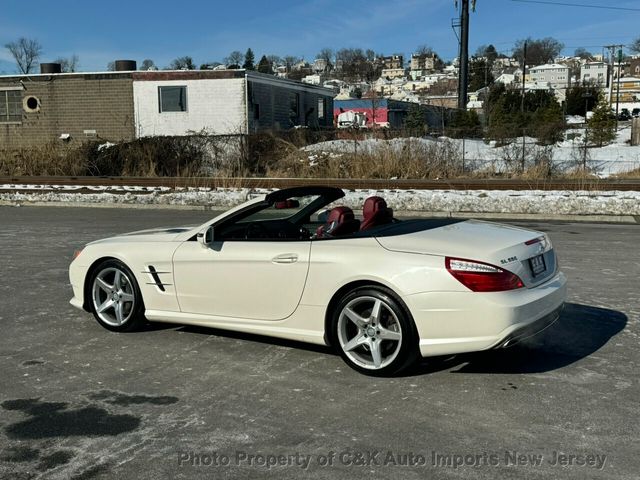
172 183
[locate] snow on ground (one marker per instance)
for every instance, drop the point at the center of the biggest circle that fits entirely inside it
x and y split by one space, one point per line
617 157
449 201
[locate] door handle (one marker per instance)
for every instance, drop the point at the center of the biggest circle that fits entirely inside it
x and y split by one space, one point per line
285 258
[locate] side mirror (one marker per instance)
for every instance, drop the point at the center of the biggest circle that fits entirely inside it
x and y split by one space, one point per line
205 238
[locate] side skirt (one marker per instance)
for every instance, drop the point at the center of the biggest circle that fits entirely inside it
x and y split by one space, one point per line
299 327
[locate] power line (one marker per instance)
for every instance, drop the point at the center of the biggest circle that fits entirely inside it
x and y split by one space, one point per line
581 5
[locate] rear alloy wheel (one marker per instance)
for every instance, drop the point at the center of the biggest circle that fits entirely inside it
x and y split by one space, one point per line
116 301
374 332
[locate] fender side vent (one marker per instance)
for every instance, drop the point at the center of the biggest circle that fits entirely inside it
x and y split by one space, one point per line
156 277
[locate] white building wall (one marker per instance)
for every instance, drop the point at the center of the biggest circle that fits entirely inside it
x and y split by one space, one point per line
217 106
594 72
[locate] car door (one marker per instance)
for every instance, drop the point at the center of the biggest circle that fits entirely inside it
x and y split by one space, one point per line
261 280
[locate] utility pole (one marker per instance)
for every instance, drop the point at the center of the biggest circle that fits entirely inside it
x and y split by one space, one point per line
524 136
464 54
618 87
612 53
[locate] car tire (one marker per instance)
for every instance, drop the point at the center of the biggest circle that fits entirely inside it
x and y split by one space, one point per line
114 297
374 332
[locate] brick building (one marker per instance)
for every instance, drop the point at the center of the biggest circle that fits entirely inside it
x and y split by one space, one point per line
120 106
38 109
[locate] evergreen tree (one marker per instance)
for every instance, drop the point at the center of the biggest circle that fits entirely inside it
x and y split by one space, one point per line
577 100
479 74
465 124
249 59
601 127
548 124
415 120
264 65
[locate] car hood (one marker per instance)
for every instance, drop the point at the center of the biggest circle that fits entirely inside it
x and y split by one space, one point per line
497 244
164 234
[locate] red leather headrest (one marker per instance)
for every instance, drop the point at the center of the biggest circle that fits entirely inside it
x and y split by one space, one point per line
372 205
340 215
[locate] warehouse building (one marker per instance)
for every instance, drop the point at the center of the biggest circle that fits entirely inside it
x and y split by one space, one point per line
384 112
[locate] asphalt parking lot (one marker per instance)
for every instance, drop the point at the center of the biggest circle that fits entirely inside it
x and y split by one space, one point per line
77 401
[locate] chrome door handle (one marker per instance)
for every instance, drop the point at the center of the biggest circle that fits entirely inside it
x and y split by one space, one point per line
285 258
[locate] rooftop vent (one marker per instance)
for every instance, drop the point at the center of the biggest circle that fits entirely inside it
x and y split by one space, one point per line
50 68
125 65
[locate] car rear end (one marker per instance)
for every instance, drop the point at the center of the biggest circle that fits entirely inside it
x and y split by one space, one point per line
497 285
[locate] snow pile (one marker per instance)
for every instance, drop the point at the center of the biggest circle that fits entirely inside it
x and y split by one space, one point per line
545 202
574 119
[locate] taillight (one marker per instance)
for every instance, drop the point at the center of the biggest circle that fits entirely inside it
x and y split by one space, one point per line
534 241
76 253
482 277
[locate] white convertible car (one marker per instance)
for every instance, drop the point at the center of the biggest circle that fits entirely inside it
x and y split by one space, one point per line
380 290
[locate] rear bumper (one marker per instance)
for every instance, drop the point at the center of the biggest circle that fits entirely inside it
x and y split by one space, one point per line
534 328
459 322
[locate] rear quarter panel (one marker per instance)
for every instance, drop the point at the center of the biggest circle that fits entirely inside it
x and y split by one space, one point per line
338 262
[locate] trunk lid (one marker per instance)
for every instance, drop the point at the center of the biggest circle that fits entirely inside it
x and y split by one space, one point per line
504 246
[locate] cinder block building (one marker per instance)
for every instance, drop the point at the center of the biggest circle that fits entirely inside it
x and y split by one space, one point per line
123 105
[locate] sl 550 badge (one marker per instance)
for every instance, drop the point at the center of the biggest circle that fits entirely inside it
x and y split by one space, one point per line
508 260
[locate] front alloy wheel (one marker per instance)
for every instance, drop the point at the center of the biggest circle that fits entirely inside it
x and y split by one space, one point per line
374 332
116 299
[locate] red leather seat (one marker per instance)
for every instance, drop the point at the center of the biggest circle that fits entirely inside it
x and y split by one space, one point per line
340 221
375 213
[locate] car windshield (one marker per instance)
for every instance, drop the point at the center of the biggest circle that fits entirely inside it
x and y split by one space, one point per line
281 210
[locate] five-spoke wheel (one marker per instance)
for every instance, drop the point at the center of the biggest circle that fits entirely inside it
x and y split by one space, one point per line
116 300
373 331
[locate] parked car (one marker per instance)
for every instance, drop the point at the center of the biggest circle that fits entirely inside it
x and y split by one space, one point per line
380 290
624 114
635 113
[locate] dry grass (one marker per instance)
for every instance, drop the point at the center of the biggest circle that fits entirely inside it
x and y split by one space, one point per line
202 157
413 160
49 160
631 174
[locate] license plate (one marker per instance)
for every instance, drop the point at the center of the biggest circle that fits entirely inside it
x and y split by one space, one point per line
537 265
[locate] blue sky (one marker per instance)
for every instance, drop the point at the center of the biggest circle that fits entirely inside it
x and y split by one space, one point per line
208 30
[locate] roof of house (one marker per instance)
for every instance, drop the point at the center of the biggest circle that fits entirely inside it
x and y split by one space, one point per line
548 66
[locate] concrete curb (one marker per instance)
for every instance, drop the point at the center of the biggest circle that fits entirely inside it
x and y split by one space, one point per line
604 218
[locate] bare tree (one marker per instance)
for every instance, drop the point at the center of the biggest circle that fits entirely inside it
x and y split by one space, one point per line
235 58
182 63
635 46
274 60
148 64
326 54
68 64
371 55
425 50
583 53
26 52
111 67
290 61
539 51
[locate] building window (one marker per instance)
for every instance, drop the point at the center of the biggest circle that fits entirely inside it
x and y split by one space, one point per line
10 106
172 99
294 108
322 107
